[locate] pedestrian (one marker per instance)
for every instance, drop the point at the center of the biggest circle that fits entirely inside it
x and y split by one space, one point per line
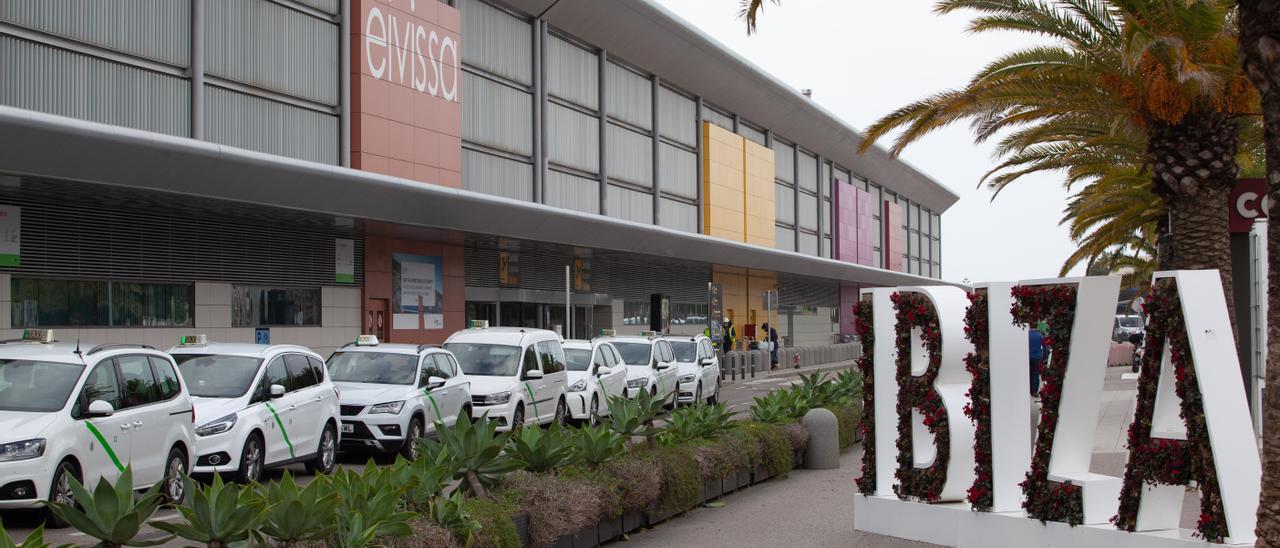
771 335
730 335
1036 340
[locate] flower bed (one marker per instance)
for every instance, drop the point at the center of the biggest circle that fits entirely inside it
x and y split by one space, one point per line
979 407
1165 461
916 393
867 426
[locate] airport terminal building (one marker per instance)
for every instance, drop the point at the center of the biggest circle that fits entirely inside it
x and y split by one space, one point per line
307 170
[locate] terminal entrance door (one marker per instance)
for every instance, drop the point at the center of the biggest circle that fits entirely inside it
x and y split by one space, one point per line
582 316
533 315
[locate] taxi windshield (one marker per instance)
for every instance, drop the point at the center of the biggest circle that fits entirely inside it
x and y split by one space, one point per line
27 385
373 367
213 376
577 359
490 360
685 351
633 353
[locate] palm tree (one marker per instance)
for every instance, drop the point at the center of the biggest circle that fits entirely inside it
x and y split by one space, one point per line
748 10
1260 52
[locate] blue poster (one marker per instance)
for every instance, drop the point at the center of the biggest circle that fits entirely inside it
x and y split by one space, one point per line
417 287
262 335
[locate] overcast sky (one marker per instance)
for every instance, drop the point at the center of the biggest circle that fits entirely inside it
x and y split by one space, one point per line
864 59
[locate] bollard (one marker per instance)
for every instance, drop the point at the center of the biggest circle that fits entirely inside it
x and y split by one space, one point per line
823 451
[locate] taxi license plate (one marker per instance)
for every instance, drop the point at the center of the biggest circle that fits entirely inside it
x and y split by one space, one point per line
348 428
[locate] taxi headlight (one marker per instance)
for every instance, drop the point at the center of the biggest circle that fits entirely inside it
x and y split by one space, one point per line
578 386
497 399
687 378
218 426
637 383
389 408
22 450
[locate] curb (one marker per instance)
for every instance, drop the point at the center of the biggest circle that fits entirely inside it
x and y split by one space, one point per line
791 372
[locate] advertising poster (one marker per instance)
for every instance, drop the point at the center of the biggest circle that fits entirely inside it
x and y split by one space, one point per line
344 261
10 235
417 287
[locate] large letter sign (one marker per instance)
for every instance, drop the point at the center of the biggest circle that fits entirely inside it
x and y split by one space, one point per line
1189 369
935 440
1191 423
999 399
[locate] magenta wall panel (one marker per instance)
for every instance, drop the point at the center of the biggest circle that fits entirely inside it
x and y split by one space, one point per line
846 225
893 244
848 298
863 228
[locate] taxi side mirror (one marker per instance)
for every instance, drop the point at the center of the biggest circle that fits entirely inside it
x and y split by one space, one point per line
603 370
100 408
533 374
434 383
707 361
277 391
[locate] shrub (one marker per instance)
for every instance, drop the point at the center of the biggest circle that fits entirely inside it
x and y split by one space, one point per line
557 506
847 417
797 435
217 514
775 448
496 530
427 534
111 514
681 484
722 457
474 451
449 513
540 451
636 480
596 445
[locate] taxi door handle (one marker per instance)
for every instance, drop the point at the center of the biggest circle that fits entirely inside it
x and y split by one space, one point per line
137 424
125 426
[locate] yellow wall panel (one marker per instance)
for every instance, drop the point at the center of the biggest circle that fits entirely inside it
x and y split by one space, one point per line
742 291
737 188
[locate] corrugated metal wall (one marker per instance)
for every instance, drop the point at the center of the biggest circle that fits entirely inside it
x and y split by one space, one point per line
677 117
679 215
784 203
808 211
70 84
630 156
491 174
784 161
631 205
679 171
784 238
752 134
797 291
154 29
497 115
715 116
573 138
572 73
808 172
496 41
808 244
273 47
573 192
327 6
620 276
84 231
251 122
629 96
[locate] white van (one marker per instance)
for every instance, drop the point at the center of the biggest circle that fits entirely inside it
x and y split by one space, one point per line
88 411
393 394
596 373
259 406
651 365
517 375
699 369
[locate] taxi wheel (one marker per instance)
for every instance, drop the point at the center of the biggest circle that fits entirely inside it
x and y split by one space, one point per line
562 412
251 459
517 418
593 413
326 454
410 449
60 491
697 396
715 396
175 476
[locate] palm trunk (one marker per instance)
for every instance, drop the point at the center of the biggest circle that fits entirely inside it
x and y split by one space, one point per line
477 486
1260 49
1194 169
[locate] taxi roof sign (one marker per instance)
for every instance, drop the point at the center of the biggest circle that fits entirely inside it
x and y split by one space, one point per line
367 340
648 333
478 324
608 332
193 340
37 335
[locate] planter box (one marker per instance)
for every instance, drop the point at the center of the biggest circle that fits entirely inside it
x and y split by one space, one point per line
588 537
522 528
563 542
632 521
711 490
744 479
610 529
760 474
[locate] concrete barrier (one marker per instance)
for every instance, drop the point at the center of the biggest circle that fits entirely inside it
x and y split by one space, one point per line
823 451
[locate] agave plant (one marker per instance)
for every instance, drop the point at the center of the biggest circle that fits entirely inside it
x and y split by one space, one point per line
771 408
298 514
540 451
634 417
424 478
596 445
217 515
694 423
368 506
111 513
475 453
33 540
448 512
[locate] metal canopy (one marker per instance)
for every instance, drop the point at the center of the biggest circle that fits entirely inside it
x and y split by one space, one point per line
647 35
44 145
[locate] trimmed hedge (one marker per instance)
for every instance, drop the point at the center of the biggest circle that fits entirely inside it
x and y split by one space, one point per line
681 483
497 530
847 416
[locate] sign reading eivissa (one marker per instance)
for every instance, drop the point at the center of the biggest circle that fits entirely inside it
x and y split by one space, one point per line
403 50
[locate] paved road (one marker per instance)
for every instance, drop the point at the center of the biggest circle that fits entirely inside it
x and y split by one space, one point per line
737 396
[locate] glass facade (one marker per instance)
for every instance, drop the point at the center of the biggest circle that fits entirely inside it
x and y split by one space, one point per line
79 303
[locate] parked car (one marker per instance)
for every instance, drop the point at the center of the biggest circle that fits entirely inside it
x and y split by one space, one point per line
1125 327
650 362
259 407
86 412
517 374
596 373
698 368
391 395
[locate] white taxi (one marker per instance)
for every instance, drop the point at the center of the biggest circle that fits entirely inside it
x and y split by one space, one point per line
650 363
259 407
87 412
393 394
698 367
596 374
517 374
